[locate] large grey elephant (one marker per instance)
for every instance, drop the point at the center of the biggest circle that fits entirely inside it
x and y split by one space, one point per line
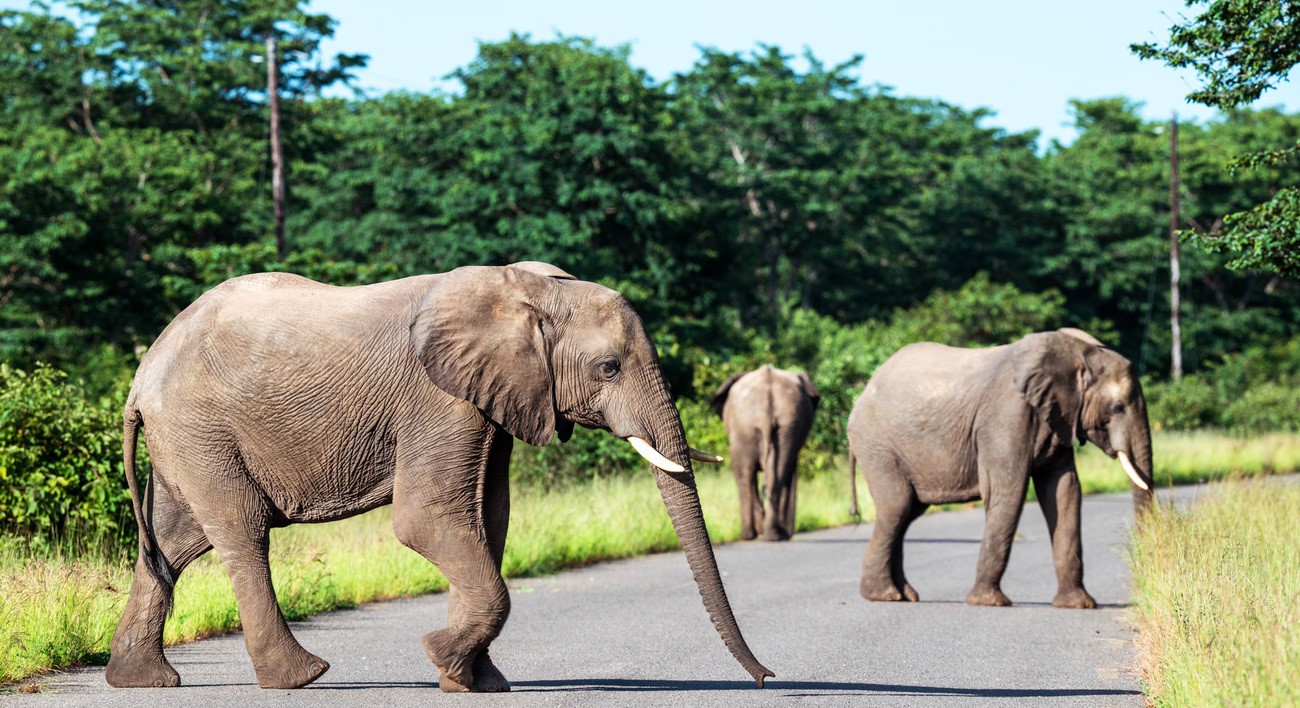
274 400
941 425
768 413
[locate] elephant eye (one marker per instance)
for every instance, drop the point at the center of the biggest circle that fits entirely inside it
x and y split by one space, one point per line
1117 408
609 368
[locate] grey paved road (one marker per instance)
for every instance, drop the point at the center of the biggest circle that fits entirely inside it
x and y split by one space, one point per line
634 633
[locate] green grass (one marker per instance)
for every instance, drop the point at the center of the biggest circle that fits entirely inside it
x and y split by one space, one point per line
1217 601
56 613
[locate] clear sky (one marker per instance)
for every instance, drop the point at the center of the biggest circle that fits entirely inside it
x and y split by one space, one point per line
1023 59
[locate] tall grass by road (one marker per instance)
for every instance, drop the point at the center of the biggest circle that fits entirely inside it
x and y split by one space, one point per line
1217 598
59 612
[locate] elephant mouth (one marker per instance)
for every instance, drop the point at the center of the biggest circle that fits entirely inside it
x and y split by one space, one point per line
656 458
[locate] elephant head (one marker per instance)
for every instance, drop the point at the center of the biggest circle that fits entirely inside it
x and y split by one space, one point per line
537 351
1086 391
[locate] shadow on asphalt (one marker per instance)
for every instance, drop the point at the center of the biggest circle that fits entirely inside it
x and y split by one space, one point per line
836 688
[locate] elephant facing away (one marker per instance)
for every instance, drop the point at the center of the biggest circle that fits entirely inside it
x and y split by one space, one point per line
940 425
768 413
274 400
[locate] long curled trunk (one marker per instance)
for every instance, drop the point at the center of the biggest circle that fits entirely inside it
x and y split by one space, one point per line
683 502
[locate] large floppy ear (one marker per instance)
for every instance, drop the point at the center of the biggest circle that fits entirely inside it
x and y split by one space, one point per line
720 398
1052 374
563 427
810 389
481 339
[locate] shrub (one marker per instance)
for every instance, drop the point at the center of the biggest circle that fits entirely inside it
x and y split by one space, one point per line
1189 404
1264 407
61 481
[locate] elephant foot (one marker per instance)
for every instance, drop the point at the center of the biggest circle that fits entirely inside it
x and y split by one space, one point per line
456 675
1076 599
909 593
487 677
775 535
141 671
987 597
878 591
747 535
298 669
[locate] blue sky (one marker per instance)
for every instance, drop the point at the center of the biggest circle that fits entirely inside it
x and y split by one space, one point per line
1023 59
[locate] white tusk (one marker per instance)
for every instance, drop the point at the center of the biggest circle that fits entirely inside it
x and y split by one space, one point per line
700 456
1132 471
653 456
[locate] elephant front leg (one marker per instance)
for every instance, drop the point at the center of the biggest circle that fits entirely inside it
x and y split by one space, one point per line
1060 498
1002 506
459 524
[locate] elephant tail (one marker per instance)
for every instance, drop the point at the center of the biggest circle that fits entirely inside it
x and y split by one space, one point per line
153 558
853 486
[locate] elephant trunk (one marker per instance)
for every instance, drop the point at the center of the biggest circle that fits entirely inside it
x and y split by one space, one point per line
1143 499
682 499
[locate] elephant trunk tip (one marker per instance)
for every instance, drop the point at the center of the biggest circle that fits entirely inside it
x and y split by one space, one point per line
760 673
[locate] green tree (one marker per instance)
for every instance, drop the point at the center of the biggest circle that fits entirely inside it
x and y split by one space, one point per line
1240 49
128 140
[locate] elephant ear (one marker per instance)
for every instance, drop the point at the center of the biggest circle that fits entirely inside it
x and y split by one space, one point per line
541 268
1080 334
720 398
481 339
1052 375
810 389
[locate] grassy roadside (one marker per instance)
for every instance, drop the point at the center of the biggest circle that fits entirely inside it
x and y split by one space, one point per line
1217 599
59 612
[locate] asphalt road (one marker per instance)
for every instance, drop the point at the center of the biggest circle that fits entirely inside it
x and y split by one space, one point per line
635 633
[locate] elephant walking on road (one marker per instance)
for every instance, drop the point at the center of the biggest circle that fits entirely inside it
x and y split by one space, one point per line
768 413
274 400
940 425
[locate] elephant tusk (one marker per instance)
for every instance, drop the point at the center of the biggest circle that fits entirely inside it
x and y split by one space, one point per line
1132 471
653 456
700 456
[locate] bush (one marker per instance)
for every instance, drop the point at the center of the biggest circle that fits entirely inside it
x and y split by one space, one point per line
1189 404
1252 391
1262 408
61 480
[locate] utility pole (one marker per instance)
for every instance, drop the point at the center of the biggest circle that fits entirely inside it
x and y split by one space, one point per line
1175 328
277 151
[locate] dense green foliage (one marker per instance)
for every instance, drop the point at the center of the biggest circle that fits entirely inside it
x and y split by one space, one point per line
1241 49
60 464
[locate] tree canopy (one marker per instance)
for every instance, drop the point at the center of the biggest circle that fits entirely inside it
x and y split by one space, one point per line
1241 49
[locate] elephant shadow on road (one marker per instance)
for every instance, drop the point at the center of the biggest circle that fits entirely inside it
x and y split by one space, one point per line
804 689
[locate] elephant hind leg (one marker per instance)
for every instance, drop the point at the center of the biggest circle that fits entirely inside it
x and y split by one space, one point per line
896 563
243 542
895 502
744 465
136 657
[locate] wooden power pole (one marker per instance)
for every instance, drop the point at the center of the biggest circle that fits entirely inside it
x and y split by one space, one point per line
1175 327
277 151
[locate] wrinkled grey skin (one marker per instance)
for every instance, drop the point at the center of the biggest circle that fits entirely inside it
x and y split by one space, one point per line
940 425
275 400
768 413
